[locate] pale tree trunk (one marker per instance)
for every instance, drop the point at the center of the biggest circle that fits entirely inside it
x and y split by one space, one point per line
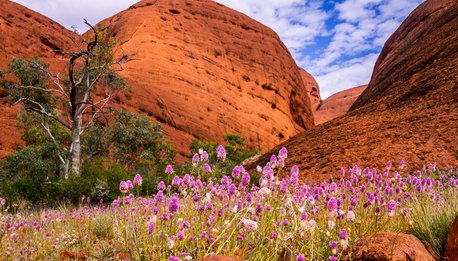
75 147
66 165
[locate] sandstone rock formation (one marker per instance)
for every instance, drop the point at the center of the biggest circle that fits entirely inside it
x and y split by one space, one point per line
312 88
414 118
337 104
419 47
451 246
24 34
389 246
203 70
334 106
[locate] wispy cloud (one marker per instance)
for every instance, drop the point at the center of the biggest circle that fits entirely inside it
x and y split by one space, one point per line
72 12
340 40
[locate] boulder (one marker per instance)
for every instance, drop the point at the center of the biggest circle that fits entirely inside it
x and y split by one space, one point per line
451 247
389 246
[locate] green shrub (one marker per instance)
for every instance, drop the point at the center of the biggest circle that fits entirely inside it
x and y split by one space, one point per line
102 226
432 221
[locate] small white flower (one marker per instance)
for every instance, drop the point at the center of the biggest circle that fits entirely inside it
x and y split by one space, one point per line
207 198
301 209
170 243
331 224
188 257
234 209
259 169
264 192
312 225
250 224
344 243
304 224
351 216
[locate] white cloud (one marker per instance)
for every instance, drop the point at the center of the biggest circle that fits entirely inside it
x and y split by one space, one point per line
72 12
297 22
349 74
364 28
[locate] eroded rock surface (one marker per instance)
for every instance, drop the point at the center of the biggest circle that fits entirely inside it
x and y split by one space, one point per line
337 104
451 246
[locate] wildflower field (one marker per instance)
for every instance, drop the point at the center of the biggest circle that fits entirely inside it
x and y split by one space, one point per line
206 212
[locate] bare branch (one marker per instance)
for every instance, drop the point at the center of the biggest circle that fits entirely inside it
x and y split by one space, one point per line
48 131
42 111
56 79
41 89
92 44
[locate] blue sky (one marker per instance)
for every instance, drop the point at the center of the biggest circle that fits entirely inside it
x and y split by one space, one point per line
337 41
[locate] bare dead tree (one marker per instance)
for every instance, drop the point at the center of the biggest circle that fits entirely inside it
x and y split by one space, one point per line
85 92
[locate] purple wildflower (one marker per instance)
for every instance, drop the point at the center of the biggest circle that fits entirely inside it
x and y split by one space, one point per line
180 235
402 164
332 205
174 204
151 228
168 169
273 161
176 181
267 172
195 159
138 180
294 179
123 187
283 153
159 196
343 234
130 185
221 153
286 222
207 168
236 171
161 186
174 258
391 206
245 179
204 156
273 235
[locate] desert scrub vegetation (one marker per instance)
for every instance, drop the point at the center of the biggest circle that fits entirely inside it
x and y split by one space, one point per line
431 223
208 211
